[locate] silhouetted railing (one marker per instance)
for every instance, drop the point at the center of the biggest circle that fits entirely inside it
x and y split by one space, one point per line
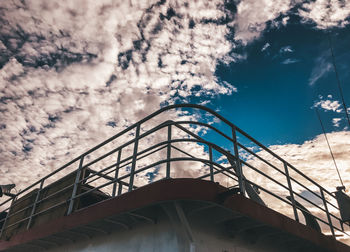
143 153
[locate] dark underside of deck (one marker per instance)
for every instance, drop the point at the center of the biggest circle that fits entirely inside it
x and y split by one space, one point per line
199 199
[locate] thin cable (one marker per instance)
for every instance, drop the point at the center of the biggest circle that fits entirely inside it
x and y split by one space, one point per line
330 150
337 76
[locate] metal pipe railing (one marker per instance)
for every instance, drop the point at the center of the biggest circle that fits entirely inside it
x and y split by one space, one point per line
214 167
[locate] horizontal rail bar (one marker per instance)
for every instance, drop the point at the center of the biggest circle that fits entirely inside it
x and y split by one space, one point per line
138 155
265 175
177 106
262 159
128 158
300 184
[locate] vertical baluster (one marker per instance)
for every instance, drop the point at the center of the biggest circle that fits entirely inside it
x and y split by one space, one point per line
168 153
211 163
120 188
75 186
116 173
291 194
35 203
238 163
133 166
6 218
327 212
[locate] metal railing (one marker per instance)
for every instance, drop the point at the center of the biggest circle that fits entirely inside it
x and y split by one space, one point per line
142 154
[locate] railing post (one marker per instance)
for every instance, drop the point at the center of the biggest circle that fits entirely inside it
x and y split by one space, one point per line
238 163
168 153
75 186
5 221
120 188
291 194
211 163
327 212
35 203
134 157
116 173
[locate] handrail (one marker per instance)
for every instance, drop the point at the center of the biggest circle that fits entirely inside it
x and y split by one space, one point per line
157 113
237 167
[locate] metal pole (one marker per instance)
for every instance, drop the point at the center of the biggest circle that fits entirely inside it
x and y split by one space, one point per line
327 212
116 173
291 192
329 147
168 153
133 165
75 187
211 163
5 221
34 205
338 78
120 188
238 163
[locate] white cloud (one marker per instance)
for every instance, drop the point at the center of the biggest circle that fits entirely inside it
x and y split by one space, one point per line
267 45
286 49
74 74
289 61
285 21
326 13
252 16
321 69
336 122
225 83
328 105
279 23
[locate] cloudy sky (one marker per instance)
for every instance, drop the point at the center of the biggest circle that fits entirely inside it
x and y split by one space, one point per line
73 73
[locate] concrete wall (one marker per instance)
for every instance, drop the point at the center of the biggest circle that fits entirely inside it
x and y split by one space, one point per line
163 236
150 237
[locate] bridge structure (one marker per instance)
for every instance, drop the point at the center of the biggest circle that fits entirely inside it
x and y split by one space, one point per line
187 164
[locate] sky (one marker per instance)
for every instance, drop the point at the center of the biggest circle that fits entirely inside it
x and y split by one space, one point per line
73 73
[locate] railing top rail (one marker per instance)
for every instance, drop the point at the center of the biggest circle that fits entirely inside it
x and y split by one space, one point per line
154 114
234 160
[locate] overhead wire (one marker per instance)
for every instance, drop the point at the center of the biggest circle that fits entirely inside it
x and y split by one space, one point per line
337 77
341 95
329 147
328 32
